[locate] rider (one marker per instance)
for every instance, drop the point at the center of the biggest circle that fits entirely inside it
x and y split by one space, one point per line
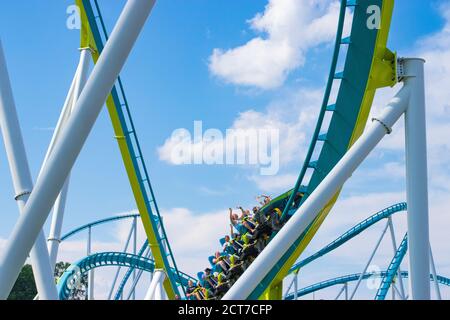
240 224
265 199
192 292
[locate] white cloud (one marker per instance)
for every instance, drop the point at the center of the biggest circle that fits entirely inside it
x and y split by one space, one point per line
195 236
288 29
278 183
293 116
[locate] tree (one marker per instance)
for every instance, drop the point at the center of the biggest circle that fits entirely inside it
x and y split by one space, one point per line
25 287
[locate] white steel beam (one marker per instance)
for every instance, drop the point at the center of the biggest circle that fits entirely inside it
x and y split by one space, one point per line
23 185
417 181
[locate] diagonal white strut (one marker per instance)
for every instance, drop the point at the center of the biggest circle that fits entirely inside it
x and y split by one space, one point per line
59 206
68 147
312 206
23 185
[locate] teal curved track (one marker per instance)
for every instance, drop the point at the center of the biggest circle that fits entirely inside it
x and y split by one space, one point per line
392 269
96 223
104 259
350 234
351 278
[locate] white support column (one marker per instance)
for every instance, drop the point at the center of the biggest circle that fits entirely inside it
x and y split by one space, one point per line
156 289
435 278
417 181
67 149
90 272
60 203
22 181
296 287
346 291
318 199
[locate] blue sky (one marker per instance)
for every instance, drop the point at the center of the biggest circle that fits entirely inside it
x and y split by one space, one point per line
170 83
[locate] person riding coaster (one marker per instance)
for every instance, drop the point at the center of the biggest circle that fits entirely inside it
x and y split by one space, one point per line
194 291
219 260
241 224
222 286
249 251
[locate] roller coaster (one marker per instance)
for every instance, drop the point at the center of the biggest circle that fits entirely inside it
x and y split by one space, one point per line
338 147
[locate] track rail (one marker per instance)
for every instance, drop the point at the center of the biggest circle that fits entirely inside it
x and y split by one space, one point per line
105 259
96 223
350 234
129 273
392 269
351 278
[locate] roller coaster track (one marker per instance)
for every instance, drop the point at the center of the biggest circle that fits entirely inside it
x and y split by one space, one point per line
97 260
96 223
351 278
392 269
350 234
369 65
125 133
129 273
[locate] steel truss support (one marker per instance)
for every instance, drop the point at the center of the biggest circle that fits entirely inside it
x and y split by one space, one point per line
90 293
434 274
130 233
68 147
22 181
399 272
344 290
146 254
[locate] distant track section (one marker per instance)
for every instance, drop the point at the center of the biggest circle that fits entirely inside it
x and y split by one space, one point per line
351 278
104 259
350 234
